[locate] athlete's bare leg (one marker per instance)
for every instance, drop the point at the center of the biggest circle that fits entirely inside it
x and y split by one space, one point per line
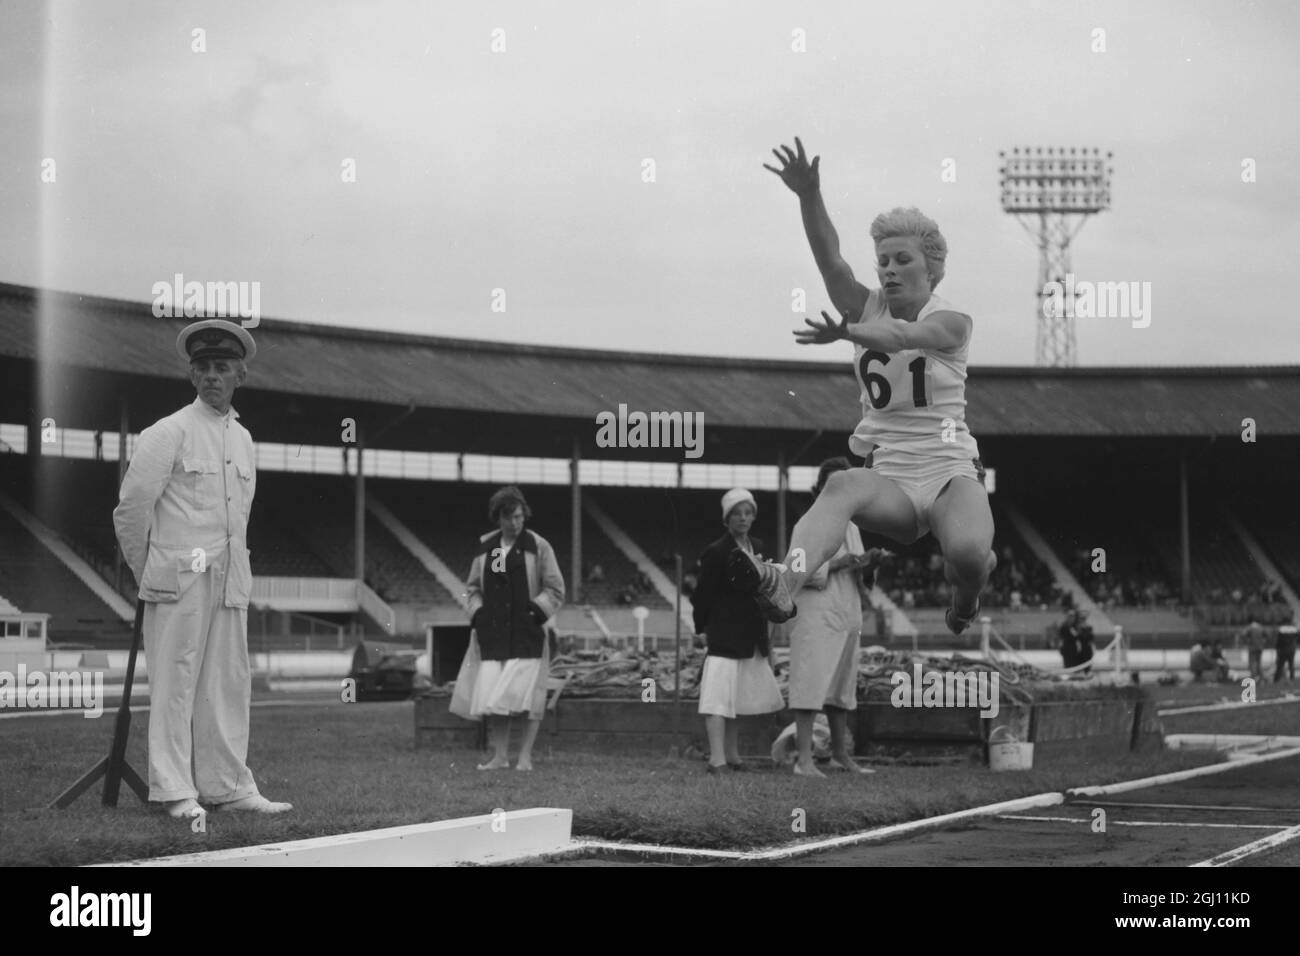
872 502
963 525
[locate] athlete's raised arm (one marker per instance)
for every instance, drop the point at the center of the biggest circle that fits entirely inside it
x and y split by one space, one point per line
804 180
939 330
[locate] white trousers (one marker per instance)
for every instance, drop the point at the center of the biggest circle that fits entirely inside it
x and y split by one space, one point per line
200 686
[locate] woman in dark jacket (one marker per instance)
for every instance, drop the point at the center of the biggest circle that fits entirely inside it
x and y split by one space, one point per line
737 678
514 587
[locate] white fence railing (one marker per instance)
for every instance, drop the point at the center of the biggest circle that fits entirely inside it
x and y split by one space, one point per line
305 594
322 594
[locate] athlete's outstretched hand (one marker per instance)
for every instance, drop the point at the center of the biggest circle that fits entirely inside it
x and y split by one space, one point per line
796 172
822 333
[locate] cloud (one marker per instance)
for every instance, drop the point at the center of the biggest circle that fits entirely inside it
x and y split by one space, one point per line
286 106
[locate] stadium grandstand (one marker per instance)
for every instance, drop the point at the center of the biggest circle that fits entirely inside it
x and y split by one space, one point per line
1132 492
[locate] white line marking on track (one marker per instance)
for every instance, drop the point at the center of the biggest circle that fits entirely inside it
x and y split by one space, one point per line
65 712
1185 806
1164 778
141 708
1271 842
1228 705
1146 823
831 843
1230 743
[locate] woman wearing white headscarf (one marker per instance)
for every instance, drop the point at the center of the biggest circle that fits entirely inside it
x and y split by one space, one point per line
737 678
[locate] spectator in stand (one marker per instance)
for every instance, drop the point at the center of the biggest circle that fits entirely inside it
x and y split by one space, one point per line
1068 639
1286 640
514 587
737 678
1220 664
596 575
1085 637
1254 638
1201 662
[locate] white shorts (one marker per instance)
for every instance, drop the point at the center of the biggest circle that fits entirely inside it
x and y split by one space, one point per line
923 477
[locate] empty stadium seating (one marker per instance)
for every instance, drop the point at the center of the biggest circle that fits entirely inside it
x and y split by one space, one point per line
33 579
1123 524
318 511
451 518
303 527
1273 517
1219 560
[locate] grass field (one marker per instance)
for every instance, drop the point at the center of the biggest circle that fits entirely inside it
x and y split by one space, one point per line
355 767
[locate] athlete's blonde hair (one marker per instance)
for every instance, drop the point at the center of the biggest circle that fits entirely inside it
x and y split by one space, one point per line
900 222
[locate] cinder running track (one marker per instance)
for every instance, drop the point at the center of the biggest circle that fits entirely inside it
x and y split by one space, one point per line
1174 824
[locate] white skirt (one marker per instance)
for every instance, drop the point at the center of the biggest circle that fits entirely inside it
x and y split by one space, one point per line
730 687
505 687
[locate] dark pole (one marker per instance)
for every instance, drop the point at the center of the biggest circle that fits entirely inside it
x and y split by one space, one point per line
117 759
122 429
359 555
677 643
1186 543
34 451
114 768
782 485
575 505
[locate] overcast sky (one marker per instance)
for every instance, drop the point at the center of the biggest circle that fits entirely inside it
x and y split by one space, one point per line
524 169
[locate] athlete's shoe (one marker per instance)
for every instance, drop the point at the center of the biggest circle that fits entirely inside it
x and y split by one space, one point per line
958 624
763 580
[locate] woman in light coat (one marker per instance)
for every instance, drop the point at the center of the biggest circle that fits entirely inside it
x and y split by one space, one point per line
514 587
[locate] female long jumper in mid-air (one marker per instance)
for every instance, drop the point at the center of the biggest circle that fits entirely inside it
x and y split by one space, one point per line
910 351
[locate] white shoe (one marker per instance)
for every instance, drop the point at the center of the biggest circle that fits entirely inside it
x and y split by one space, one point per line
186 809
254 804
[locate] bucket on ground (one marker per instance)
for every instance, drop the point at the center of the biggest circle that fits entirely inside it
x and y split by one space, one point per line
1007 752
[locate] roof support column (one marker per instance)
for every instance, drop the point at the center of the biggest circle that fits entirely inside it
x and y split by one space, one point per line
34 447
575 507
782 486
359 554
123 428
1183 527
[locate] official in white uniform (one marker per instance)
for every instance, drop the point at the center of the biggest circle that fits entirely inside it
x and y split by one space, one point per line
182 521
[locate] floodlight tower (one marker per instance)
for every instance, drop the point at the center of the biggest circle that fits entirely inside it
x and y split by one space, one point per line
1062 188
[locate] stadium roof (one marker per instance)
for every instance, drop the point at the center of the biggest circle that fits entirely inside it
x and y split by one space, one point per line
531 394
